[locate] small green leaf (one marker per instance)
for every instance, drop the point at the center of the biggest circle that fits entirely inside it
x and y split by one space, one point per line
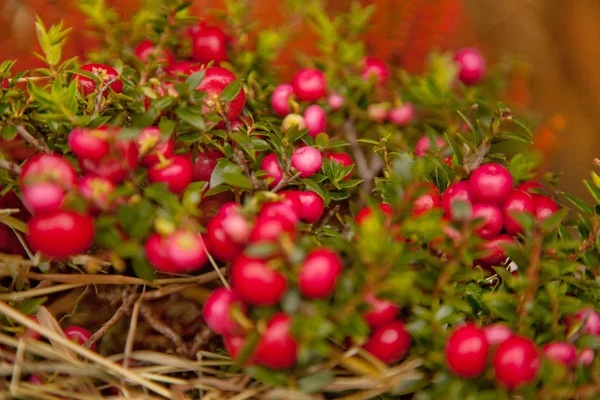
30 306
232 90
579 203
316 382
193 81
142 268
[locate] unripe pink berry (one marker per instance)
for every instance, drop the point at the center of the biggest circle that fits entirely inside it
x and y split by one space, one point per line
402 116
307 160
280 99
315 119
471 66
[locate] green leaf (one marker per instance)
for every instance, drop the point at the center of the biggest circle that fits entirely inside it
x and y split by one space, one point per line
227 172
160 193
316 382
30 306
193 81
137 219
142 268
501 304
268 376
232 90
128 133
579 203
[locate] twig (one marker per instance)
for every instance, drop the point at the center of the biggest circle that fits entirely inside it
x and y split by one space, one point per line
10 166
132 328
283 182
159 326
367 173
39 144
103 89
532 277
201 339
127 303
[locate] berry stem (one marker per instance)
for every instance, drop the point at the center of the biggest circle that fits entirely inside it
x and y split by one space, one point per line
121 311
103 88
37 143
282 183
532 278
366 172
10 166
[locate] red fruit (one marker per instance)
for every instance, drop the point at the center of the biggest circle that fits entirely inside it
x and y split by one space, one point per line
367 212
205 164
561 352
234 344
146 48
458 191
156 253
35 379
495 253
315 119
319 273
114 167
516 362
182 67
60 233
277 349
402 116
152 145
307 160
381 312
528 186
91 144
256 283
341 158
585 357
43 197
517 203
591 319
428 199
217 312
270 164
389 342
176 173
221 244
30 333
88 86
5 83
490 219
490 183
471 66
496 334
424 145
96 190
280 99
215 80
79 335
289 208
209 43
46 167
377 113
467 351
184 251
544 206
309 84
374 68
272 228
312 206
335 101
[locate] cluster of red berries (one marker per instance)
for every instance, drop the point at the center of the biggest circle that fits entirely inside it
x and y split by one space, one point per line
516 360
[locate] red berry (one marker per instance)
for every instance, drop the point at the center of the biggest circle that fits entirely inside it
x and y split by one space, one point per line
367 212
309 84
152 145
146 48
402 116
205 164
494 250
36 379
425 145
591 319
215 80
88 86
491 220
319 273
217 312
60 233
490 183
312 206
256 283
79 335
46 167
156 253
471 66
467 351
5 83
234 344
374 68
518 202
341 158
377 113
277 349
31 333
516 362
585 357
289 208
274 174
458 191
280 99
307 160
272 228
528 186
429 198
544 206
496 334
209 43
335 101
182 67
96 190
315 119
43 197
389 342
114 167
226 234
91 144
176 173
381 312
185 251
561 352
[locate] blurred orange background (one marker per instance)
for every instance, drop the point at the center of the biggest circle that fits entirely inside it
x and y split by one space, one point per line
557 40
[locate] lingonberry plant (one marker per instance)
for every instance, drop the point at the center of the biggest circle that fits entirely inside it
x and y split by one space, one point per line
199 224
